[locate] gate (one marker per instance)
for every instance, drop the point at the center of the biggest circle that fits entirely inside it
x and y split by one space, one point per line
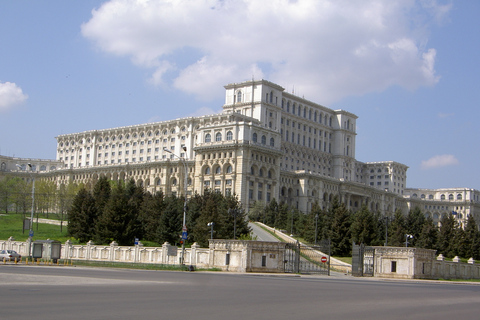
304 259
363 261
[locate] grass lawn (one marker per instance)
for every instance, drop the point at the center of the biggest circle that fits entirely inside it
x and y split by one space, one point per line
11 226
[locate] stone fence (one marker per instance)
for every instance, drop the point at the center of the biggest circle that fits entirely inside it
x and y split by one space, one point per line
227 255
418 263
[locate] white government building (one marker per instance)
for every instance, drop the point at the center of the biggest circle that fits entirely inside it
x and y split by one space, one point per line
267 143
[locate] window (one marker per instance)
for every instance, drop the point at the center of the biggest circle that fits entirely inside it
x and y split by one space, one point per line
264 140
254 137
229 169
208 137
394 266
239 96
218 170
229 135
218 136
207 170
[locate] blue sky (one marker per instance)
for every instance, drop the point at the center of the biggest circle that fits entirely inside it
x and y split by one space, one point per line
409 69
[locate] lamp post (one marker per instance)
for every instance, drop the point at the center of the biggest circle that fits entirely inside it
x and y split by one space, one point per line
30 234
234 212
211 224
407 236
316 225
184 225
386 230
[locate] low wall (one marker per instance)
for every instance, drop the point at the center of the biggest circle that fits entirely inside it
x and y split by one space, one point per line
227 255
418 263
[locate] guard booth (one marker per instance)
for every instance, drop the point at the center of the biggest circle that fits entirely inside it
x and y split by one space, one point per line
47 249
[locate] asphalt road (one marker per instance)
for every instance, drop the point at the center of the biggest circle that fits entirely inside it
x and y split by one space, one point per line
53 292
261 234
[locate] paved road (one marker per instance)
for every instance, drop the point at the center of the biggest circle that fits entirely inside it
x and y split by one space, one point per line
261 234
36 292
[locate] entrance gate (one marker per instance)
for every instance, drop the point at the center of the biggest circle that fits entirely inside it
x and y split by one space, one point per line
363 261
304 259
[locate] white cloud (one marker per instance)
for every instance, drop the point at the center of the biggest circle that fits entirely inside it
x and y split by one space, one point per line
440 161
327 49
10 96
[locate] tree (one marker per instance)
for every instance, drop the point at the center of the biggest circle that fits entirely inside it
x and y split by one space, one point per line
170 226
397 230
150 214
472 239
428 238
414 224
119 221
446 236
82 216
340 231
364 227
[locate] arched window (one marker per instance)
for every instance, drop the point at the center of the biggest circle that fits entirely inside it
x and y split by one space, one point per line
272 142
174 182
254 138
229 169
260 173
459 196
450 197
270 174
218 170
218 136
264 140
288 106
239 96
271 96
442 197
159 182
207 170
208 137
252 171
229 135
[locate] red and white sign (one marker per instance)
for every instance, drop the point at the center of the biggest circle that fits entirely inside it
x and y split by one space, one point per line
324 259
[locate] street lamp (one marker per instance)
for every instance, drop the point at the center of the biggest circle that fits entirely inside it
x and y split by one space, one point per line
316 225
211 224
30 234
184 226
407 236
386 230
234 212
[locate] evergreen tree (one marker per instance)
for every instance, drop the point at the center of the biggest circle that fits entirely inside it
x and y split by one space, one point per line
170 226
82 216
446 236
414 224
119 221
101 193
150 214
340 231
363 228
397 230
428 238
472 239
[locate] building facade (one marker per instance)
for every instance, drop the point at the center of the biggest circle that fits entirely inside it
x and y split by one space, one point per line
266 144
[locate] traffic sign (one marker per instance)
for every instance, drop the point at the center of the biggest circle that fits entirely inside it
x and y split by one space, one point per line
184 235
324 259
30 234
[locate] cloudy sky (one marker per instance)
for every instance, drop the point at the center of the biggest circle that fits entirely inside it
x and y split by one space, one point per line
409 69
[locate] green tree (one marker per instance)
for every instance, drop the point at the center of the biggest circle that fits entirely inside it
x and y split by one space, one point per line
364 227
150 215
119 221
446 237
428 238
340 231
414 224
472 239
82 216
170 226
397 230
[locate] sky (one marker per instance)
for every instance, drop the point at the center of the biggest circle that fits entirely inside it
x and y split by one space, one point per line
410 70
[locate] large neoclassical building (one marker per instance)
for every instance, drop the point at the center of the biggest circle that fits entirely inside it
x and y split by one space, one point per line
266 144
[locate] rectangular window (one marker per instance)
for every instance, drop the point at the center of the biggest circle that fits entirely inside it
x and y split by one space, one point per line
227 259
394 266
264 261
